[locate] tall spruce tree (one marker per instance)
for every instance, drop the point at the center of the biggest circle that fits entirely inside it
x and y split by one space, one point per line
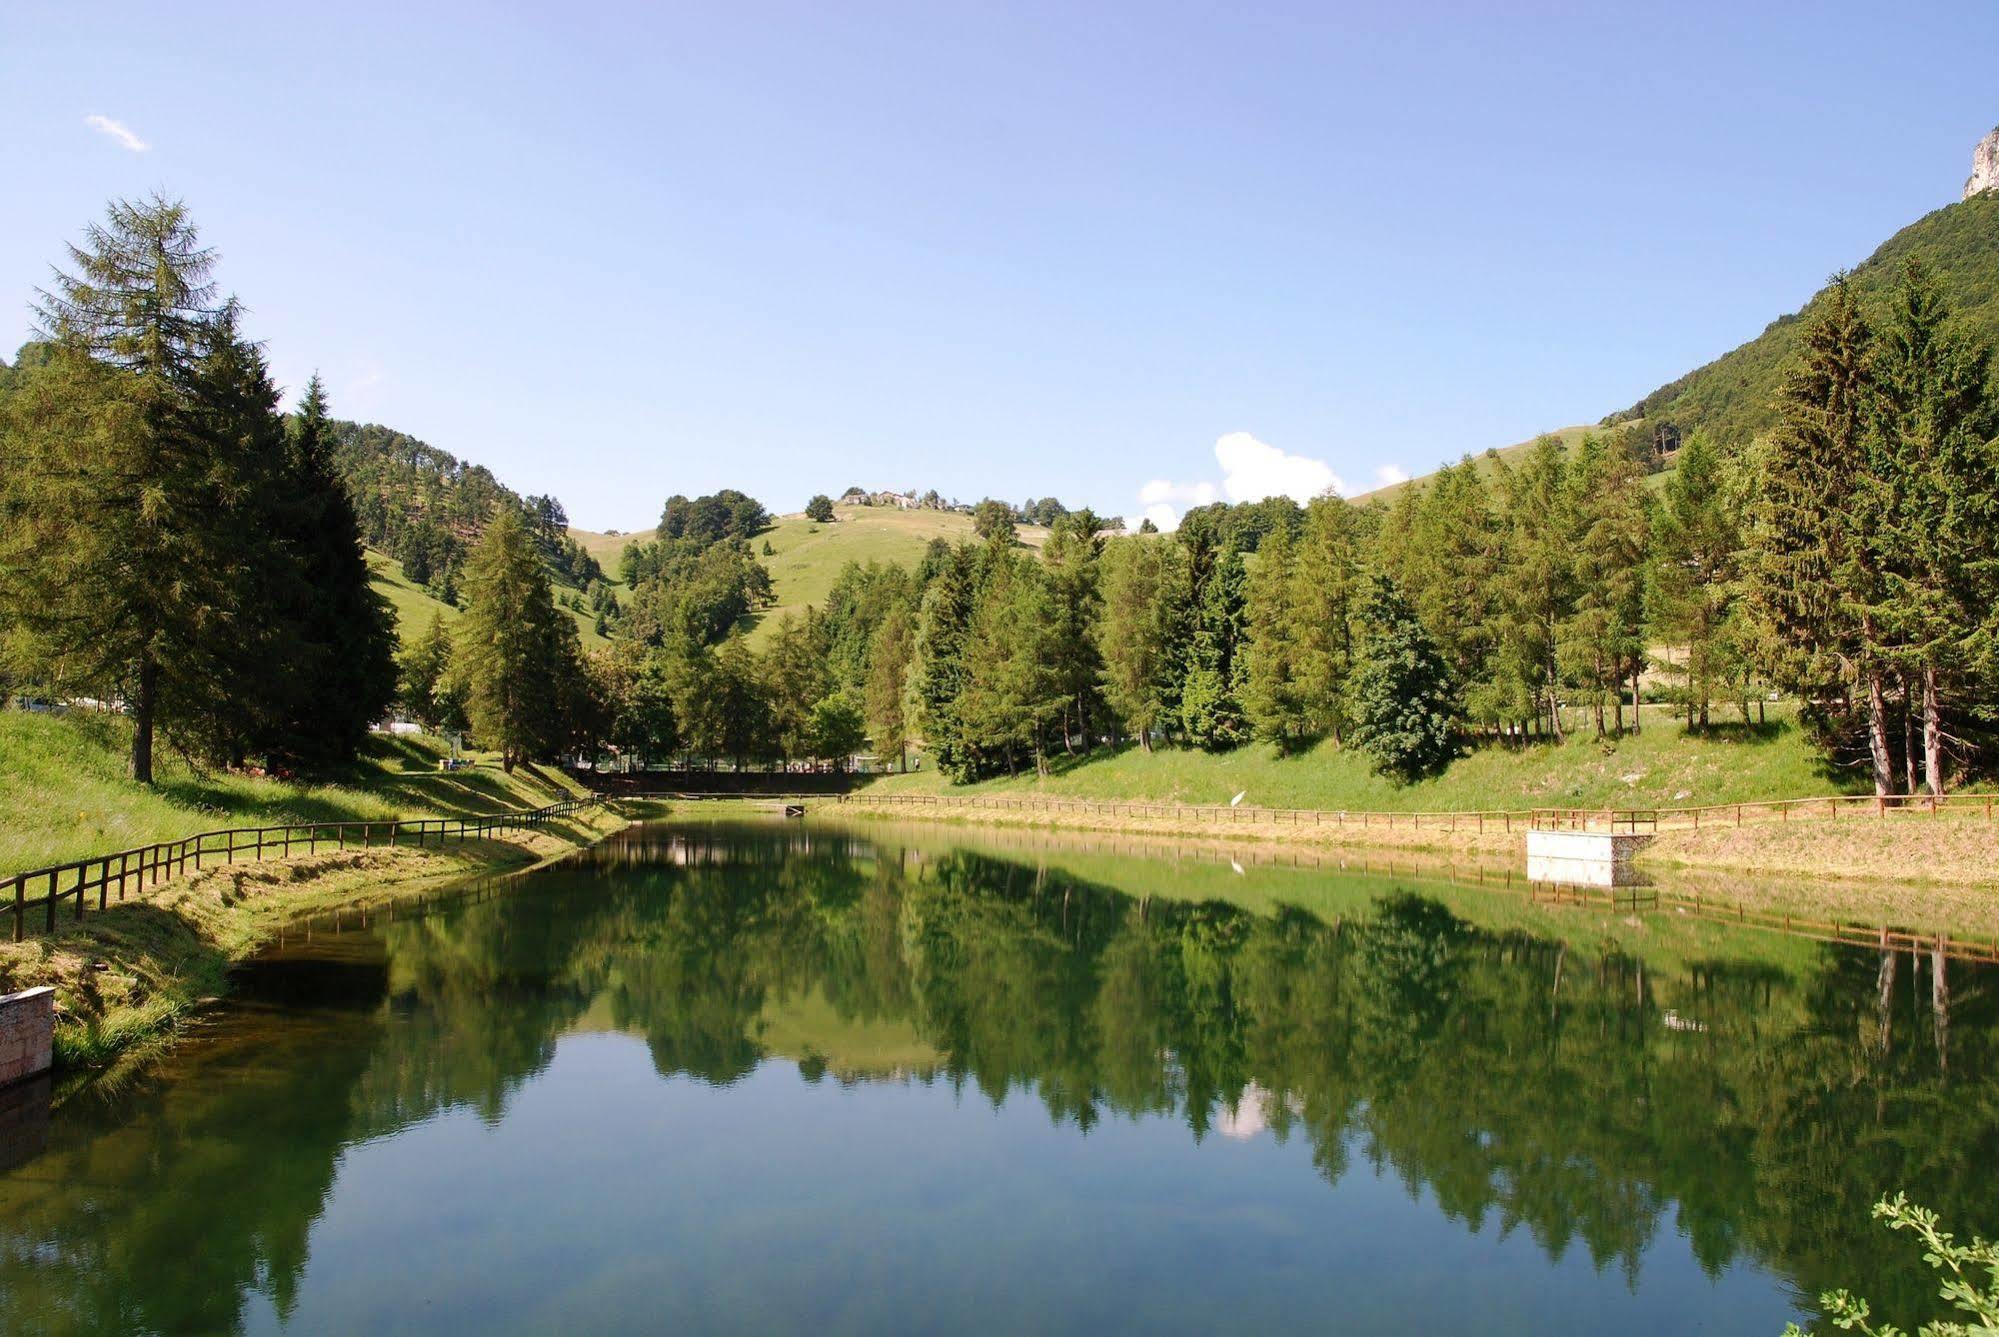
943 628
1535 583
1012 691
347 629
1075 599
1937 478
1211 694
114 529
515 649
1815 576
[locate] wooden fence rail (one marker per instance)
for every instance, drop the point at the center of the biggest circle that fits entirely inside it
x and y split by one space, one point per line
147 866
1643 821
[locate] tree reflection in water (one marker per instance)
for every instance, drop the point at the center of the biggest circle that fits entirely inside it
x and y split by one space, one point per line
1756 1101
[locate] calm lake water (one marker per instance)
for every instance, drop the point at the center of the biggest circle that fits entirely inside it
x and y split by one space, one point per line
763 1077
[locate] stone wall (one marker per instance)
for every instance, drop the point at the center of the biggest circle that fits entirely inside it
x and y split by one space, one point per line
27 1029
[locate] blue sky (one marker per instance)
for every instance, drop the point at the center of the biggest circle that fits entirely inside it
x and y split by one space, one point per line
1020 249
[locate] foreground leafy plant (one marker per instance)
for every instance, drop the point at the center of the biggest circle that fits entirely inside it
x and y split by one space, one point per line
1976 1298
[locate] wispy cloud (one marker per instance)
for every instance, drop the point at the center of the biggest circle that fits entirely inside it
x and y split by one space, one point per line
116 130
1251 471
1388 475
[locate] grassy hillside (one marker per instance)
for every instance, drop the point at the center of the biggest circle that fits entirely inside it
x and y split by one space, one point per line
806 556
608 548
415 606
1660 767
1568 436
1731 396
64 795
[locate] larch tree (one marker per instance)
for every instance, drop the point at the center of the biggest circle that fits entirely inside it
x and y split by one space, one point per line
1273 695
514 647
1696 539
1325 595
1135 632
890 658
114 508
1211 693
1602 638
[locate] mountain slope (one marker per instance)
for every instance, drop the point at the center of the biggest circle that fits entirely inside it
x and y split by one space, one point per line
1731 397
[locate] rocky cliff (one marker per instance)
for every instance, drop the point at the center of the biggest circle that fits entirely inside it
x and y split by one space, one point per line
1984 166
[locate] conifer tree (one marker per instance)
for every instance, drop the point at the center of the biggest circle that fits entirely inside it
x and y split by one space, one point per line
1815 579
889 661
1602 639
515 650
1135 632
1938 507
1272 696
1211 695
942 632
1696 538
1536 583
347 629
112 502
427 687
1012 693
1325 590
1070 559
1404 703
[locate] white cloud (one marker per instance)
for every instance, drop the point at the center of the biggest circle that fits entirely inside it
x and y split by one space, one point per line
1388 475
116 130
1251 471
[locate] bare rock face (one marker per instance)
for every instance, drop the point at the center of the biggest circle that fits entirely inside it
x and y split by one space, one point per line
1984 166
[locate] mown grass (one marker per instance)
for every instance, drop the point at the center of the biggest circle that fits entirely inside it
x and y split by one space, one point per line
64 794
807 556
1662 766
414 606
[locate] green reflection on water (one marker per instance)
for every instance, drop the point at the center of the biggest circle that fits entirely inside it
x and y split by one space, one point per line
1628 1117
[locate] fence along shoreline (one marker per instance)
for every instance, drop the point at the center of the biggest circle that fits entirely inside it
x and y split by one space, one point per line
147 866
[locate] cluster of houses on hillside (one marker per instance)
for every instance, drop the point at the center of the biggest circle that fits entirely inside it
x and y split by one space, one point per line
903 501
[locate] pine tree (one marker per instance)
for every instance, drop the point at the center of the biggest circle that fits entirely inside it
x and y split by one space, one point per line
112 503
889 661
516 652
1404 703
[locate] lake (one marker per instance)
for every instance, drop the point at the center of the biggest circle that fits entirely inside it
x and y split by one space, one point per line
762 1077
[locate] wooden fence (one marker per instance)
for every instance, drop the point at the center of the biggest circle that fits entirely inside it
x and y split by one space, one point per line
1644 821
136 870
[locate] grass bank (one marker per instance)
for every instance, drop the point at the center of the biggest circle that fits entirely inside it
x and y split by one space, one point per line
64 794
1661 766
129 976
